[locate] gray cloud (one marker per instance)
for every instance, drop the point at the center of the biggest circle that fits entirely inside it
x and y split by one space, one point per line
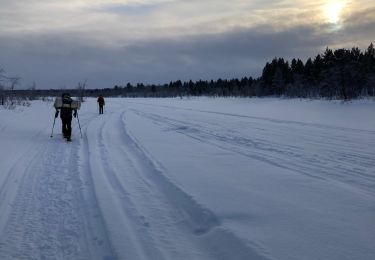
54 61
133 9
65 57
360 26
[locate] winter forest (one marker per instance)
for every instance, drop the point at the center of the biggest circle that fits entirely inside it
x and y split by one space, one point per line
335 74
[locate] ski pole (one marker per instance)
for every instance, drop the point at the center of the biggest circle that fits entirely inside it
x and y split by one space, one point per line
53 126
79 125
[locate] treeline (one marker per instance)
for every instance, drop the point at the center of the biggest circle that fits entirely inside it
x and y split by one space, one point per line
335 74
339 74
343 74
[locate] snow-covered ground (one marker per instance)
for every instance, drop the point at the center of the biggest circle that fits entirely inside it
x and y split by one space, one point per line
190 179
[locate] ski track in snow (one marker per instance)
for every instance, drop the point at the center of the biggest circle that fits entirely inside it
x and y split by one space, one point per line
317 151
104 197
73 201
162 222
44 216
47 217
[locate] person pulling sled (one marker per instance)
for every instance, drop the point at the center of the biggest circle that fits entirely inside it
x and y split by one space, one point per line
67 107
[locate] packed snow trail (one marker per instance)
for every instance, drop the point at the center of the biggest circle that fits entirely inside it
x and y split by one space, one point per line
189 179
103 198
160 220
47 216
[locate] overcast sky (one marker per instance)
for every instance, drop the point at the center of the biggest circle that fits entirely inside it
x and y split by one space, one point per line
58 43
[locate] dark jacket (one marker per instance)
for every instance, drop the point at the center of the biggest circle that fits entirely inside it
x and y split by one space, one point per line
101 101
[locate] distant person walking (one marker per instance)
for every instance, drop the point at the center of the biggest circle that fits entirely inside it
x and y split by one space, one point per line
66 112
101 104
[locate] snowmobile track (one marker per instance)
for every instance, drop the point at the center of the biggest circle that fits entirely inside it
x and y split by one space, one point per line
157 215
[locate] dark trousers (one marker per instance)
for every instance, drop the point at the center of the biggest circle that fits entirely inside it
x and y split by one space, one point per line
101 110
66 127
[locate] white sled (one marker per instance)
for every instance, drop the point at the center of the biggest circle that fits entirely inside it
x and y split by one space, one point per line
74 105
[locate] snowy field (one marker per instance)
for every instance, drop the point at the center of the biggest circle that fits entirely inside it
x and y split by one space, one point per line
190 179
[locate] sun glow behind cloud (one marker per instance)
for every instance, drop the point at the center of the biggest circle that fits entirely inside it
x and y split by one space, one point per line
333 10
